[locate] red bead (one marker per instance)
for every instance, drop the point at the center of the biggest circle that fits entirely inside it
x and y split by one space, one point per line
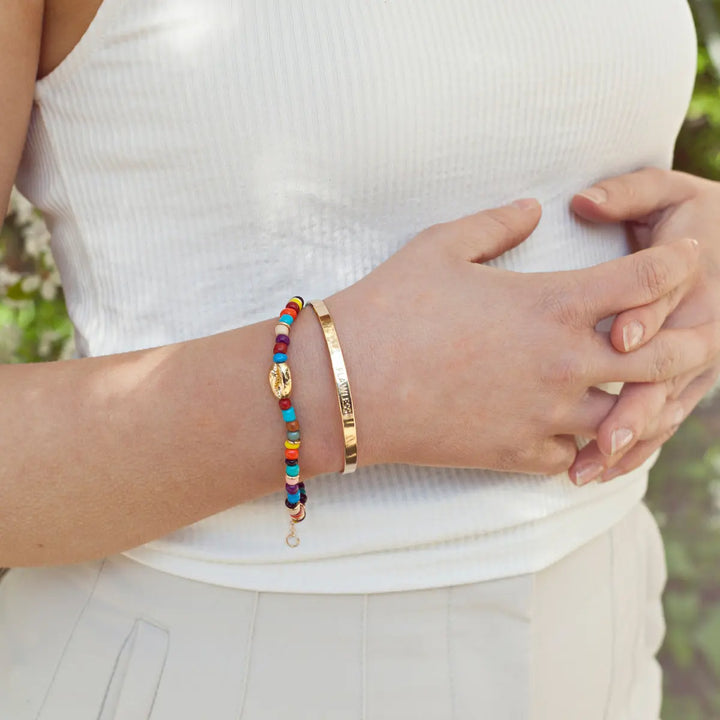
289 311
280 347
292 454
294 306
285 404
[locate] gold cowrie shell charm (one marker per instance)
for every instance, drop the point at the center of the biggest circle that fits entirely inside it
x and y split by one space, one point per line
280 380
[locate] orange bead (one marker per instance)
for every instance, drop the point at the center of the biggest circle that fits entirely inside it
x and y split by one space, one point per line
289 311
292 454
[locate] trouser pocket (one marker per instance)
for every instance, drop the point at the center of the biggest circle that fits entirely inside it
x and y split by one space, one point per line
111 670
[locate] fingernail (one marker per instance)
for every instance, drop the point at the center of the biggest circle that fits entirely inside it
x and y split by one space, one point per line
610 474
526 203
586 473
619 439
596 194
632 334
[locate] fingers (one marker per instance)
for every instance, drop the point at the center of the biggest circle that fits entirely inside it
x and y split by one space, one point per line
585 418
637 326
636 415
633 196
638 279
671 353
593 464
487 234
657 427
592 468
558 455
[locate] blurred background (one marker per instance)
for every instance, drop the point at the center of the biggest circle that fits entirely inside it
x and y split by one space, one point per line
684 490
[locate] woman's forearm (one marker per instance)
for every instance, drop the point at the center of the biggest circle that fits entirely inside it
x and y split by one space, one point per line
102 454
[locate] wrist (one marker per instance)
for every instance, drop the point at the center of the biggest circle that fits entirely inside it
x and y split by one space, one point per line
354 329
315 398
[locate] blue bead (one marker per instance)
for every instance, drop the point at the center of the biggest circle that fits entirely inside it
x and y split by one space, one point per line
294 435
292 470
279 357
289 414
294 498
287 319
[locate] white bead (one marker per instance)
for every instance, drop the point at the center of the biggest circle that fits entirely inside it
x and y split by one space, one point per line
282 329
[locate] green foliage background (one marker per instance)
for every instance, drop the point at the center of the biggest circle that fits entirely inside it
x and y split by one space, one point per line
684 490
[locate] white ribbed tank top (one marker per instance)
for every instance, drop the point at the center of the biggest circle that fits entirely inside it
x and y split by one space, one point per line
193 156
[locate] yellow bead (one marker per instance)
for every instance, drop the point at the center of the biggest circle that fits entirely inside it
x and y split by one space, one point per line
290 445
298 301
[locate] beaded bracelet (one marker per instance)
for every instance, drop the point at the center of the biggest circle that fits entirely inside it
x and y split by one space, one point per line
281 385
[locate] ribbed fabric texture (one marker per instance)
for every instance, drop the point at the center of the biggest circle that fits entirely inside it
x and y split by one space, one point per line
196 159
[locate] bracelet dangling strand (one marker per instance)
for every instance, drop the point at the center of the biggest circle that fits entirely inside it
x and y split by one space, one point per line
281 385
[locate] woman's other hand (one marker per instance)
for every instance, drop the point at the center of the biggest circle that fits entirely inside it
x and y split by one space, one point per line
456 363
659 206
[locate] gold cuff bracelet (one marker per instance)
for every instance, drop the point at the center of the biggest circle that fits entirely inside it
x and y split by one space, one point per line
342 384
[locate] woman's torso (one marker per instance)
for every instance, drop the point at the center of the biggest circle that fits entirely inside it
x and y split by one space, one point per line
195 157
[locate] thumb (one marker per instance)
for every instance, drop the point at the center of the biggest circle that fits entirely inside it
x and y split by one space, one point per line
641 195
490 233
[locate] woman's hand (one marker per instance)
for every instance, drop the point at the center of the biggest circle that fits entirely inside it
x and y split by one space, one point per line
659 207
456 363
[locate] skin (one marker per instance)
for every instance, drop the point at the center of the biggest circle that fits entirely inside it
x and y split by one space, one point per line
658 205
103 454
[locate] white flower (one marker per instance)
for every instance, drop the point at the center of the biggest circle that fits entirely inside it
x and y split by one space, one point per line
10 337
22 208
7 278
49 287
37 237
30 283
67 352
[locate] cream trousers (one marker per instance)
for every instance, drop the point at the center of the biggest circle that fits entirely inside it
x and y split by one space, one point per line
115 640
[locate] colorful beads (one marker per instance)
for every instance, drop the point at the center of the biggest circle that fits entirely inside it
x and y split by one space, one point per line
281 384
289 414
